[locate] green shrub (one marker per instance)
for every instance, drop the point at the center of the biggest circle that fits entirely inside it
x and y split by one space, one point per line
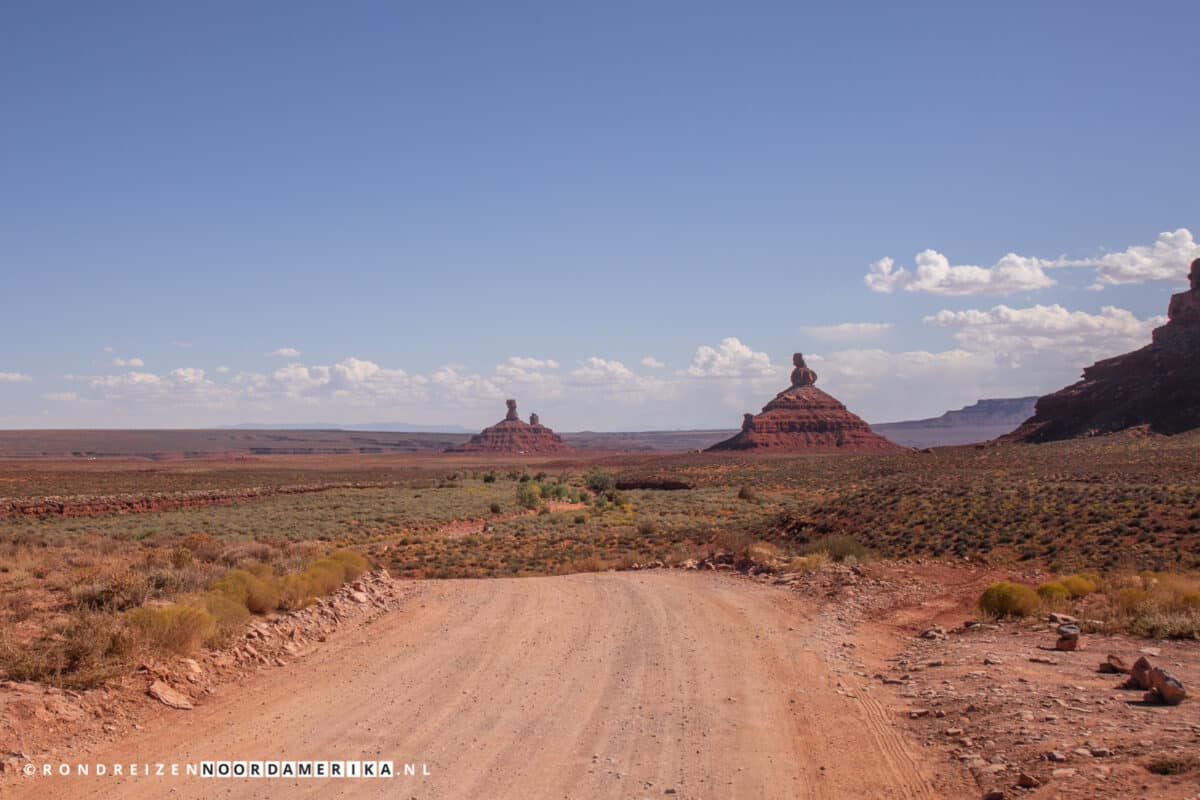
599 481
1006 599
529 495
494 508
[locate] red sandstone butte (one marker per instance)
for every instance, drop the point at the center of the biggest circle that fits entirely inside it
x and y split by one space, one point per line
513 436
804 418
1157 387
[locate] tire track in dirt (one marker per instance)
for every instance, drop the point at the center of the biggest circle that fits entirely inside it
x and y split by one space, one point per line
609 685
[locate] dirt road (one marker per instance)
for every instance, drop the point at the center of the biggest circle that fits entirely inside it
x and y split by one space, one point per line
616 685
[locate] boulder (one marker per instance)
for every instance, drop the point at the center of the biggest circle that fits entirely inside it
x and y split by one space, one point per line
1167 687
1068 638
804 418
169 697
1139 675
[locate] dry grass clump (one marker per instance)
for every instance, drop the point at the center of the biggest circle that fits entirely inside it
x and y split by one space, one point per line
177 628
111 592
79 654
106 632
809 563
1158 605
1006 599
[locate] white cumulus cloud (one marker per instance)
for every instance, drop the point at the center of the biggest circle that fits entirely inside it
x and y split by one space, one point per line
1167 259
128 362
284 352
652 363
14 377
935 274
731 359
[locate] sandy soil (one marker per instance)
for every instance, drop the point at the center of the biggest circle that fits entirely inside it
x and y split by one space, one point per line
619 685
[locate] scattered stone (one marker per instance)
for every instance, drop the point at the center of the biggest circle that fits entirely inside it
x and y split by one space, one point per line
1063 619
1054 755
935 632
1068 638
1042 660
169 697
1139 675
1027 781
1168 688
1113 665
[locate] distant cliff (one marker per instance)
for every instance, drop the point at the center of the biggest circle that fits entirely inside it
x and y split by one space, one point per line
981 422
1156 388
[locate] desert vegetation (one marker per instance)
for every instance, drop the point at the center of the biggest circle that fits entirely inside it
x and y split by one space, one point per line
1115 520
1160 605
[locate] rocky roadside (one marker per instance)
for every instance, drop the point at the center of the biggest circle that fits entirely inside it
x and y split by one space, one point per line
40 722
1007 713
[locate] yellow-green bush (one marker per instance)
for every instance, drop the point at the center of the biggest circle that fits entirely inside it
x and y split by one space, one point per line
295 591
227 612
325 575
256 594
354 564
1079 585
179 628
1053 592
259 570
1007 599
1130 599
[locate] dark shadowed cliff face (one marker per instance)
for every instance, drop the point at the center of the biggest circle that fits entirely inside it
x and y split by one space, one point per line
1157 386
513 436
802 418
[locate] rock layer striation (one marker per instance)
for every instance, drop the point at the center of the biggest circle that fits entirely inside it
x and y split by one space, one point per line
514 436
803 418
1157 386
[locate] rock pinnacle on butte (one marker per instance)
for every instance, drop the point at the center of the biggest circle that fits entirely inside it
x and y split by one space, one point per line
804 418
514 436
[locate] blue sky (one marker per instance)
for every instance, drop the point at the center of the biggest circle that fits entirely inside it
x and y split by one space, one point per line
424 210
